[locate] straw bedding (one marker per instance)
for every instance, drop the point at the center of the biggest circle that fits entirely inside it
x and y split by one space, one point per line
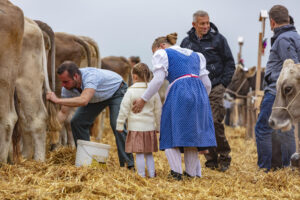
58 178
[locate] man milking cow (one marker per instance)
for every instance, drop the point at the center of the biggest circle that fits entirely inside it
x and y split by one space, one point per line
91 90
285 44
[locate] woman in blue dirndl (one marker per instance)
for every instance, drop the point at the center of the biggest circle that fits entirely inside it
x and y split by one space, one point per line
186 121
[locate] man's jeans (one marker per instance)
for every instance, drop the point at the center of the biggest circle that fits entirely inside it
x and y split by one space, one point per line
274 148
86 115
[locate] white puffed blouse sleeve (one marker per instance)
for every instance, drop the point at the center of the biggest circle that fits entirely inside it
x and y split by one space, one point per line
160 60
203 70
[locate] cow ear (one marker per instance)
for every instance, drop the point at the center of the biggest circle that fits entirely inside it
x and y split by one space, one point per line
251 72
288 62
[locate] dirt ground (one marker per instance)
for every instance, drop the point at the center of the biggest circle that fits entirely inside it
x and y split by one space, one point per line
58 178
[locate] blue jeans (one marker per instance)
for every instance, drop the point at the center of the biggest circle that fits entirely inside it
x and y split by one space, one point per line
86 115
274 148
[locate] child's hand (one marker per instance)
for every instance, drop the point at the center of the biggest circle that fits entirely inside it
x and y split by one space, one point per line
120 131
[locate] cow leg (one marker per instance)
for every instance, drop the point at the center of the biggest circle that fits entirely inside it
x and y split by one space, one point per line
39 139
69 134
7 123
102 118
98 126
27 150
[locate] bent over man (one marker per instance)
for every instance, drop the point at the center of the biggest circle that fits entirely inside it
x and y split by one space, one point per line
91 90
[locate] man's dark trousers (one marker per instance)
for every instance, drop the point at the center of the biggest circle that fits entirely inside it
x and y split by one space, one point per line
86 115
220 154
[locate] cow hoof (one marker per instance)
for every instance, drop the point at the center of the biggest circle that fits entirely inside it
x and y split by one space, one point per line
53 147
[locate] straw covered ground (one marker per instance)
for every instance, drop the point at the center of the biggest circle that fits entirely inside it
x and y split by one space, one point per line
58 178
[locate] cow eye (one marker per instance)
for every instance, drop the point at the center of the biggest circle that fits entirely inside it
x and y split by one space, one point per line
287 90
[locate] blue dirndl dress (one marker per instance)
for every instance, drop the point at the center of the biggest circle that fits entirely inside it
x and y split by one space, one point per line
186 119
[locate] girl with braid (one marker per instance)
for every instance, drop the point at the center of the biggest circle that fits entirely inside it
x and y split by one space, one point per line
142 126
186 120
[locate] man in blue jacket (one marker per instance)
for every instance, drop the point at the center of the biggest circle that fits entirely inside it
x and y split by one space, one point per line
205 38
285 44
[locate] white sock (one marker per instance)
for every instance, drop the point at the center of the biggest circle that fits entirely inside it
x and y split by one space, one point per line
191 160
150 164
174 159
140 164
198 169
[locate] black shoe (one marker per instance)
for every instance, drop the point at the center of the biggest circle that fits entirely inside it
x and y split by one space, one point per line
131 168
223 168
189 176
175 175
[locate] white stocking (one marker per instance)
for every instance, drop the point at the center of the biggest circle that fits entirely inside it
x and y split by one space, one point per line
150 164
191 160
198 169
140 164
174 159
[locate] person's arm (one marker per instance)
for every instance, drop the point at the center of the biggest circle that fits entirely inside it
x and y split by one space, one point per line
203 74
124 111
155 84
153 87
228 62
82 100
286 50
157 111
206 82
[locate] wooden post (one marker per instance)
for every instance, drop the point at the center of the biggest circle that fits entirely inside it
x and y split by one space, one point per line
262 17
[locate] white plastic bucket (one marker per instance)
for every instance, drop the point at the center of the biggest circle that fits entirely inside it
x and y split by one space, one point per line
88 151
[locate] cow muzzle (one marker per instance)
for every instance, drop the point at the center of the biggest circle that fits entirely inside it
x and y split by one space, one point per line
283 125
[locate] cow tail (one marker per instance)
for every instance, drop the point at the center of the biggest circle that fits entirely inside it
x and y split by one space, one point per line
47 29
53 125
87 49
16 136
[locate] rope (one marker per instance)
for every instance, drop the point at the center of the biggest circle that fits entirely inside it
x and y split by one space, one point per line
237 91
287 108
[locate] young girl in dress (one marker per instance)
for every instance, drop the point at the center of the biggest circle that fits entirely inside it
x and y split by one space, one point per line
142 126
186 121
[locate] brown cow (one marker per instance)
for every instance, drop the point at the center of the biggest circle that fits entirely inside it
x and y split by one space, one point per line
11 34
119 65
286 107
243 81
70 47
94 49
81 50
32 84
49 41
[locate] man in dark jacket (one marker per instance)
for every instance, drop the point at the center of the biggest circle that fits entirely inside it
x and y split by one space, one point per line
205 38
275 148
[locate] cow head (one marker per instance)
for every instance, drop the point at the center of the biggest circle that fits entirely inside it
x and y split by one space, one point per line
240 83
286 107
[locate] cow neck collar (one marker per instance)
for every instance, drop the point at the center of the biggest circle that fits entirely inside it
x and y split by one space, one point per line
287 108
